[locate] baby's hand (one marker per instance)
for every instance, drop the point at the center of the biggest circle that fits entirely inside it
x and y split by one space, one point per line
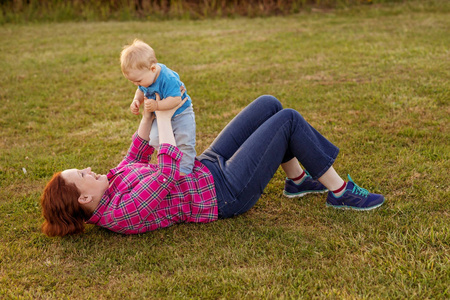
134 107
150 105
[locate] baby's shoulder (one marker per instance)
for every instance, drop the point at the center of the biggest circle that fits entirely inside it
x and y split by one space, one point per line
167 71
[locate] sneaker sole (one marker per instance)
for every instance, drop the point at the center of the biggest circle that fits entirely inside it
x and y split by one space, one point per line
355 208
289 195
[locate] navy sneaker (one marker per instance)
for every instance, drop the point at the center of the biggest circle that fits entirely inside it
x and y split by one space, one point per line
355 197
308 186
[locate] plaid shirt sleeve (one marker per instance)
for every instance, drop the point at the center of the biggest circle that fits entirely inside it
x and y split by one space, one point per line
140 151
146 196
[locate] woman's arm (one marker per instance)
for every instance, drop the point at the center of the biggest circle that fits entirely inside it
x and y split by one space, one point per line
165 130
164 118
151 190
140 150
146 125
140 203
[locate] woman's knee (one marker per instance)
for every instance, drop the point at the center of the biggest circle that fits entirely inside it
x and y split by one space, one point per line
294 116
290 113
269 101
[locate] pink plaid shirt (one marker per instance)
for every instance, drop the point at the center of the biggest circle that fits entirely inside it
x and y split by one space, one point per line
144 197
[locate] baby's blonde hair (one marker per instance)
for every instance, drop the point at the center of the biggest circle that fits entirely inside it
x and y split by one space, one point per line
138 55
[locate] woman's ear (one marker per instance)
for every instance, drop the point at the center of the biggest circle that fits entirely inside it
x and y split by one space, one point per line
85 199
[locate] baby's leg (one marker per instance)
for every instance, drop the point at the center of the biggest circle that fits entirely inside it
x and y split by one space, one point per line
183 126
154 136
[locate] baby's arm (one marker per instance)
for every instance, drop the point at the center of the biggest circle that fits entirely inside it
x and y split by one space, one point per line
137 101
167 104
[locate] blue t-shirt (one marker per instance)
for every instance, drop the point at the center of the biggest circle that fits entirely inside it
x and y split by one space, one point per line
166 85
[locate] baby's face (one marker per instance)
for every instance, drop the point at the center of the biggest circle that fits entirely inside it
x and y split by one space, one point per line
143 78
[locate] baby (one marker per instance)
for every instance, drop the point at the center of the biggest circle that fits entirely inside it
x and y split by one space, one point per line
139 65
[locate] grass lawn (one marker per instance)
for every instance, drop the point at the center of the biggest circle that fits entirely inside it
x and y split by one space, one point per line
373 79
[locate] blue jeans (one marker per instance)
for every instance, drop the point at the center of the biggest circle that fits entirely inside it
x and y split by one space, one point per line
247 153
183 126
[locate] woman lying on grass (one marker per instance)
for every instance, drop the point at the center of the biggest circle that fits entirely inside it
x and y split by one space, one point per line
227 180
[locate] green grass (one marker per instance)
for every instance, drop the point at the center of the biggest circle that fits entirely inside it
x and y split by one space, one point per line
374 80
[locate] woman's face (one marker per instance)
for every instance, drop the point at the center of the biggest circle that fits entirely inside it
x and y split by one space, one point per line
87 182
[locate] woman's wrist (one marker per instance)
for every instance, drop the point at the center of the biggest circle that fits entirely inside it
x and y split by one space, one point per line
149 116
145 125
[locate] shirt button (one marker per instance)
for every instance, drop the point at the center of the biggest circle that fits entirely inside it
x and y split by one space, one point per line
164 180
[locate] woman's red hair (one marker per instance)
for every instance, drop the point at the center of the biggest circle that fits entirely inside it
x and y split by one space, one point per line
62 213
